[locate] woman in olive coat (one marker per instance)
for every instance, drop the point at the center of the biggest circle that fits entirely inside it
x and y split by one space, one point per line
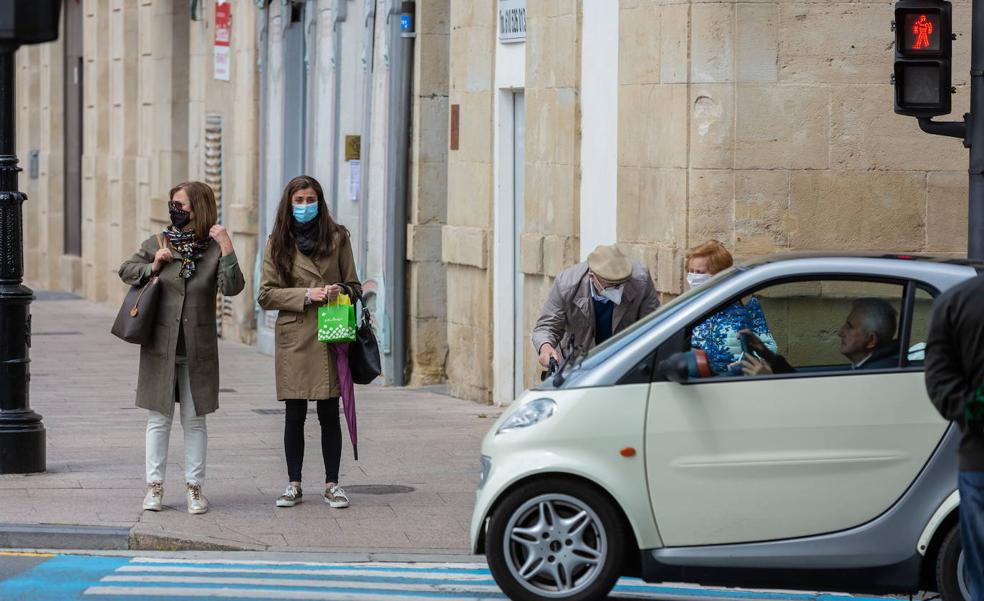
308 261
193 259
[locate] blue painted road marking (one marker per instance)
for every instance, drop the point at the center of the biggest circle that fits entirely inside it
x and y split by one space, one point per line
68 578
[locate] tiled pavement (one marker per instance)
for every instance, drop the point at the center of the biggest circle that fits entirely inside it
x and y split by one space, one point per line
83 382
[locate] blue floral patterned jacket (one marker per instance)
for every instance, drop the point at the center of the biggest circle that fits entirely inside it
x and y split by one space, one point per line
718 334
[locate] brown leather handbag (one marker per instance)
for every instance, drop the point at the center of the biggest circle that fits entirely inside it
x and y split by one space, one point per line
135 321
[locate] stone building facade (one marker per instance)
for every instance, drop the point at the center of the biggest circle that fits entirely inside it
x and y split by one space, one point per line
766 125
152 115
654 124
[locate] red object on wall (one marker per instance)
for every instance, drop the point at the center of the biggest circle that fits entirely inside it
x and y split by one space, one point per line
223 24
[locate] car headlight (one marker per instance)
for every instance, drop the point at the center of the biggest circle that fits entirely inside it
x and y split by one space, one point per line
486 462
528 415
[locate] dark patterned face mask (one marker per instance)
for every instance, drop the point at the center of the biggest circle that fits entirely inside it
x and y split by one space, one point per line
179 217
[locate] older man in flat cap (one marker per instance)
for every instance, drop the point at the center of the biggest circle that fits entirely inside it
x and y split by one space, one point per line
592 301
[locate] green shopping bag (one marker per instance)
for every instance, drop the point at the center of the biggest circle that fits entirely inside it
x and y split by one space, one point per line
336 323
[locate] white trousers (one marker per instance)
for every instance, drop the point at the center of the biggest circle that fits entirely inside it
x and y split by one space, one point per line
195 435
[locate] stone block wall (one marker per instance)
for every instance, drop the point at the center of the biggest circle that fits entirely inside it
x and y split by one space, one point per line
769 126
465 238
552 185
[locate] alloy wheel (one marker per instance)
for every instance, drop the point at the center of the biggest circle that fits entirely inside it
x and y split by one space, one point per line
555 545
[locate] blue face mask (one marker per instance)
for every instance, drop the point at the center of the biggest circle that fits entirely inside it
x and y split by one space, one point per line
306 212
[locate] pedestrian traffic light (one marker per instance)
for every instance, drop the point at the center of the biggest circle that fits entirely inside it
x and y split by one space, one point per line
923 49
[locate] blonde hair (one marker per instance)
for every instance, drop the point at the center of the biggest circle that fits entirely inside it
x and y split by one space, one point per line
718 257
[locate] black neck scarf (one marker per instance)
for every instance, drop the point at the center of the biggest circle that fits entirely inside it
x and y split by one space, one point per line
307 235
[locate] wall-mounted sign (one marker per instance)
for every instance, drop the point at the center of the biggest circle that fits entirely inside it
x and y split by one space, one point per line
221 52
512 21
353 147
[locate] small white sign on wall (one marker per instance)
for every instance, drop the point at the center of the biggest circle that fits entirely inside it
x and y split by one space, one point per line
512 21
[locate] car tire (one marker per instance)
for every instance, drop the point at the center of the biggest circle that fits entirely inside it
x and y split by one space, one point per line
568 537
950 579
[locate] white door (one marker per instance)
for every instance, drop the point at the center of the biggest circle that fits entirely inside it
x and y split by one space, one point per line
741 459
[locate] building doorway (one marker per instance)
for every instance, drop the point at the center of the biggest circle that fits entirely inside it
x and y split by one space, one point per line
511 347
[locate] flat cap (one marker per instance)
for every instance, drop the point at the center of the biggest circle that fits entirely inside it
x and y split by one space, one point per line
609 264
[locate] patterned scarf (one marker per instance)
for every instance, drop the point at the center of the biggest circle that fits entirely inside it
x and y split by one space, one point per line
191 249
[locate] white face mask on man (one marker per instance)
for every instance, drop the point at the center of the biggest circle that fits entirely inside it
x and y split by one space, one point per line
696 279
614 293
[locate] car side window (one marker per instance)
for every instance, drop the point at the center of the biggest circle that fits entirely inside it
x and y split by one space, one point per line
916 346
826 325
806 326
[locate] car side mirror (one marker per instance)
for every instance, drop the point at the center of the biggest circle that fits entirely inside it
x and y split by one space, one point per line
681 367
675 368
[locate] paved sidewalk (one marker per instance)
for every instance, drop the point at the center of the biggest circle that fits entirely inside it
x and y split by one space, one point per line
83 382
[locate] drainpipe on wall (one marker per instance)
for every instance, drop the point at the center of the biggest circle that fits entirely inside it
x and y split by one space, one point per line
261 66
402 33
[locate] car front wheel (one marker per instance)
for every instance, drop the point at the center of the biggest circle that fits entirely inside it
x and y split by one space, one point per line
951 568
555 539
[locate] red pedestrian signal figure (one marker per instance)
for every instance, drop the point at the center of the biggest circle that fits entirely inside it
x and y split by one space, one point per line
923 28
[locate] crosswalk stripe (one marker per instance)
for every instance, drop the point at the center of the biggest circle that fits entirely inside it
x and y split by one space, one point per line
298 572
447 586
185 592
411 566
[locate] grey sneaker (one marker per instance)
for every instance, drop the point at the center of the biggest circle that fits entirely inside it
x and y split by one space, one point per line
336 497
197 503
155 496
292 496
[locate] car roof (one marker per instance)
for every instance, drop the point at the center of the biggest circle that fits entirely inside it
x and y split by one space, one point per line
793 256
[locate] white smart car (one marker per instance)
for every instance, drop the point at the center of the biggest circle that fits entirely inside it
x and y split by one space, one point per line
827 478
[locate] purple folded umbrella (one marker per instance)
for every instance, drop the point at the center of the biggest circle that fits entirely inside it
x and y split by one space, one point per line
340 350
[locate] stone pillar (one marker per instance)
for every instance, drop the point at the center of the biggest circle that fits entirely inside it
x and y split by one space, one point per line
465 239
428 326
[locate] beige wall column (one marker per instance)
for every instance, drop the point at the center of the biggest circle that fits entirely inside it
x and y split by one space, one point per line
40 129
552 196
96 126
427 276
465 240
123 142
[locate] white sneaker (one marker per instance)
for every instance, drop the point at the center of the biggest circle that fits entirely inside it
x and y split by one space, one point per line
155 496
336 497
197 503
292 496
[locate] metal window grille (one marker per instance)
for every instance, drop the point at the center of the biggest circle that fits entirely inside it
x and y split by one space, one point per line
213 177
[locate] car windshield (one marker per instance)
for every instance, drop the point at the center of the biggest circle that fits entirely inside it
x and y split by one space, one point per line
600 353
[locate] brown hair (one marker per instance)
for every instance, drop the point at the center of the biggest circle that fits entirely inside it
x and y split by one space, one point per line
202 204
282 244
718 257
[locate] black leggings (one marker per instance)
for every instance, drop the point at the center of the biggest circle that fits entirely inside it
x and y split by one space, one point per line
331 437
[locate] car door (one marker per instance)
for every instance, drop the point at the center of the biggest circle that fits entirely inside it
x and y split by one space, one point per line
827 448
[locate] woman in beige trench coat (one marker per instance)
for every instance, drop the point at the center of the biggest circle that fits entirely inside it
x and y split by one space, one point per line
308 261
193 258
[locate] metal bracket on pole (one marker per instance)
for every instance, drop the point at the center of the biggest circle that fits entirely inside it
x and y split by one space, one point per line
952 129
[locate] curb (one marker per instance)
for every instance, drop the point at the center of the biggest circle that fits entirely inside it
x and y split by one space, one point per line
55 536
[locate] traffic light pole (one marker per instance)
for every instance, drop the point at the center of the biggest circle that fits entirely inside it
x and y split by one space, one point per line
971 129
22 435
975 136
